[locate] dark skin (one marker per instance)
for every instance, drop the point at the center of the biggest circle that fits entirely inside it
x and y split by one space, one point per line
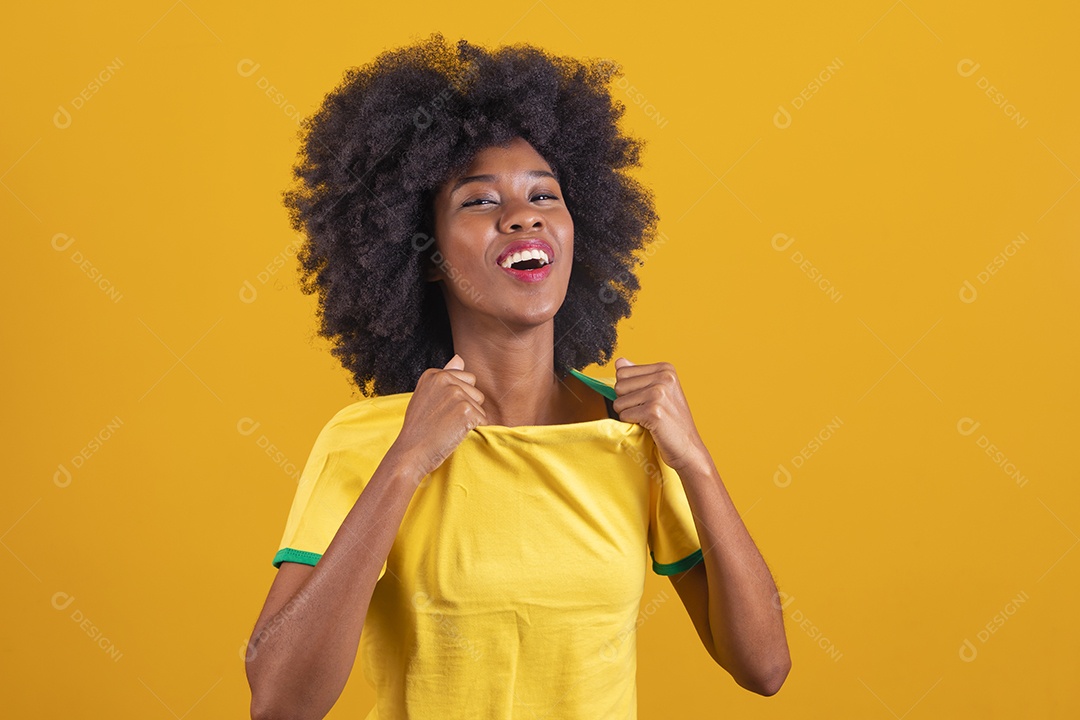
503 331
305 640
730 596
502 327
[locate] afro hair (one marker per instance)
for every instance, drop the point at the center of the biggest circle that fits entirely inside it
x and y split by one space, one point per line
382 143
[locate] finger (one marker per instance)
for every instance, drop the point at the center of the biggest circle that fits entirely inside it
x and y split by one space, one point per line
626 384
480 409
462 375
475 395
479 412
629 369
628 415
632 412
626 401
471 391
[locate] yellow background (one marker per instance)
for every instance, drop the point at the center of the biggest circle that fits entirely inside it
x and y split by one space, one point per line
897 178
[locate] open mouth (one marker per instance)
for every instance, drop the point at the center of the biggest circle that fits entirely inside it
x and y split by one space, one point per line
529 260
529 270
526 258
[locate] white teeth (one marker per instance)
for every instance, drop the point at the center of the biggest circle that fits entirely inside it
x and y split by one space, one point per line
525 255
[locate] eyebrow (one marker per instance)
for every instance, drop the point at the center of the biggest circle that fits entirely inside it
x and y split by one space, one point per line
492 178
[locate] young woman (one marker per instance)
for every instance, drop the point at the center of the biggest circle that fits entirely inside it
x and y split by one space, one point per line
484 513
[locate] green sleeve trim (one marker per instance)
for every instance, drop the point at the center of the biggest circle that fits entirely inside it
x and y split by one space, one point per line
601 387
678 566
296 556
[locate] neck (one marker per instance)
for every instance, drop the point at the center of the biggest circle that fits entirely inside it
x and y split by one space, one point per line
515 371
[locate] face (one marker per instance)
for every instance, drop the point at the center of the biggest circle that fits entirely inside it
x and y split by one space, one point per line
507 201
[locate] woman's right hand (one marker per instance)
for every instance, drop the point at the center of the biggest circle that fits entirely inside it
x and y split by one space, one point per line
444 407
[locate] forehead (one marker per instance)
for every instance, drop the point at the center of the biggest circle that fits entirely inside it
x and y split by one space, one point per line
517 150
515 158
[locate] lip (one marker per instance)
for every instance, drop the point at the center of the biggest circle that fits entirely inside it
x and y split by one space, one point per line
526 244
529 276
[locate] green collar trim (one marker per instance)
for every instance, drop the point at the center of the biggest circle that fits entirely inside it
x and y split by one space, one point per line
602 388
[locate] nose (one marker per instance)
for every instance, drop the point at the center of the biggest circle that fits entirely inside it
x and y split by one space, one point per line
519 215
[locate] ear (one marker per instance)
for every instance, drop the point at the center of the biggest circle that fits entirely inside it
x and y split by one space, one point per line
432 273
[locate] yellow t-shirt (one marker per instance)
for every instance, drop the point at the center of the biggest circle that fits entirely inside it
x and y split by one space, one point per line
514 584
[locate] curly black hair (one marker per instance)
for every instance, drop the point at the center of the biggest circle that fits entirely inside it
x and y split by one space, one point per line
374 155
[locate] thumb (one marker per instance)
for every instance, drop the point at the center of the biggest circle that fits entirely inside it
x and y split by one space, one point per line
624 362
456 363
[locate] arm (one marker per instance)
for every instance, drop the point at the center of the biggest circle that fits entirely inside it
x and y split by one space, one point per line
300 657
305 641
731 596
733 602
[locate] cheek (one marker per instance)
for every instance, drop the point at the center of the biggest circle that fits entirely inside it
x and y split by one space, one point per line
566 229
460 247
566 221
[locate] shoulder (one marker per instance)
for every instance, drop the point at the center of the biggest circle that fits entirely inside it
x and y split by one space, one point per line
370 418
372 408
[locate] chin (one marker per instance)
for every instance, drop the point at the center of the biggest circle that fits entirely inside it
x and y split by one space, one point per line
533 317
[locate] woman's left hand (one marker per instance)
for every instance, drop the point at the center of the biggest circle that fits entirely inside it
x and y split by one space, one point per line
651 396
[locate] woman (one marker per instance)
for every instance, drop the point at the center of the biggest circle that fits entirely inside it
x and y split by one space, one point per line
484 513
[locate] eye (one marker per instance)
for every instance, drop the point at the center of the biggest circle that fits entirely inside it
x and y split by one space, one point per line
545 195
476 201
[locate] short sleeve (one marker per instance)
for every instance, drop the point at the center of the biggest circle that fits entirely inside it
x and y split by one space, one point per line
674 545
341 462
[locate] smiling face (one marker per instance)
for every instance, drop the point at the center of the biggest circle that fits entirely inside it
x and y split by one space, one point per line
506 202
